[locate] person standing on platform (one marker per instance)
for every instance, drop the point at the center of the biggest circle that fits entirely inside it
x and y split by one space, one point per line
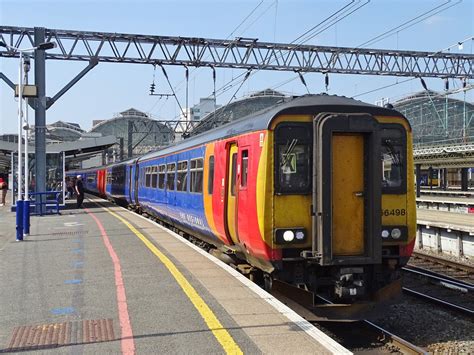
3 191
79 191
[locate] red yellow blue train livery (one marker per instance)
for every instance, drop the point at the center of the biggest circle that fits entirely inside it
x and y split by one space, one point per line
315 192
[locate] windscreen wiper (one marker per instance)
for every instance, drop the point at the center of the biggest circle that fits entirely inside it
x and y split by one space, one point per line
289 150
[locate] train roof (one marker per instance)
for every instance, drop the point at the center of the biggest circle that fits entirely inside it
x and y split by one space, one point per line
261 120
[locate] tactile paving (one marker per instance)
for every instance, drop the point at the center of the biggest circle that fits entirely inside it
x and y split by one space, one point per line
53 335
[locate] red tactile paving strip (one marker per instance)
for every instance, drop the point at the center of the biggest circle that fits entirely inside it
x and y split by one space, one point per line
61 334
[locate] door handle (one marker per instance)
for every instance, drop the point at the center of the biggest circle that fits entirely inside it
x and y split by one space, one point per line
359 193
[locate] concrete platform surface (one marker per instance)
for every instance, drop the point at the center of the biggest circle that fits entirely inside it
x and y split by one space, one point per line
456 221
444 199
105 280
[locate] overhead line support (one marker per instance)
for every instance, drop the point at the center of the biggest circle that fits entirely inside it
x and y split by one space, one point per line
187 51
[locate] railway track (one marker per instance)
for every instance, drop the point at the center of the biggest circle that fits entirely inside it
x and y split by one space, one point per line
360 337
445 291
447 268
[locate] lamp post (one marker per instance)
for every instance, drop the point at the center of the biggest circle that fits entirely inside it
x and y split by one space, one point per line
22 220
19 199
26 202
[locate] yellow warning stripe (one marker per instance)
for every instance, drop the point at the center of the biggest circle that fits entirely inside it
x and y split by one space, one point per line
221 334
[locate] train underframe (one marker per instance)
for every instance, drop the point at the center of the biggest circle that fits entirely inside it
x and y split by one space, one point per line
340 284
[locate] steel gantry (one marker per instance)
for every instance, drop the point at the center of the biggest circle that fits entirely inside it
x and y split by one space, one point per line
443 156
242 53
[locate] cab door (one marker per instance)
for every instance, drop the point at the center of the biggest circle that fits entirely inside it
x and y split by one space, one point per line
347 189
231 194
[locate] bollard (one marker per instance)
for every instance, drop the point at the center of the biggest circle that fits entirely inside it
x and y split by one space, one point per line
26 218
19 220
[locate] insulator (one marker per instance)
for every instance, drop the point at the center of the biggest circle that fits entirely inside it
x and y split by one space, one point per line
424 84
326 81
446 84
464 83
302 79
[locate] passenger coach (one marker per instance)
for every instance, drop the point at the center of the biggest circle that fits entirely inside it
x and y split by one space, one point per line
313 192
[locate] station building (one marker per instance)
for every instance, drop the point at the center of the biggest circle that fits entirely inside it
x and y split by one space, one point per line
437 118
238 109
136 132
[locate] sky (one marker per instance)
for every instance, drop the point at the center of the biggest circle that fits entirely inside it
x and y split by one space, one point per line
112 88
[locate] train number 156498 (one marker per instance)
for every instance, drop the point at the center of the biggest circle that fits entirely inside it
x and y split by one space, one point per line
394 212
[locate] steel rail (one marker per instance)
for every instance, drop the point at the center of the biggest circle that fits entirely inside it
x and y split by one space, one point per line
443 280
402 344
461 309
452 264
397 341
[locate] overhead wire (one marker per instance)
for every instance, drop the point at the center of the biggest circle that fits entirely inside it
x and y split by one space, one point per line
425 15
233 31
409 23
340 12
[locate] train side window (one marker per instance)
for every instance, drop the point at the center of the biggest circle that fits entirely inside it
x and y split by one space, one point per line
293 149
154 176
197 173
91 178
234 174
182 182
170 176
161 176
210 181
245 167
393 159
148 176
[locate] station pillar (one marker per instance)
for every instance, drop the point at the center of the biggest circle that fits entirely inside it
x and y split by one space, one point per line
444 179
418 179
430 177
464 179
40 115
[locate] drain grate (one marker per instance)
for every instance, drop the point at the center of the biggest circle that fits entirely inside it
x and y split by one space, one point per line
46 336
70 233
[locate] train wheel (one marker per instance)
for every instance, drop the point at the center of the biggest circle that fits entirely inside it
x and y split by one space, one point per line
267 282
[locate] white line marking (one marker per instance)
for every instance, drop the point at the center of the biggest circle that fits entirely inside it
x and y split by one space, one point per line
73 224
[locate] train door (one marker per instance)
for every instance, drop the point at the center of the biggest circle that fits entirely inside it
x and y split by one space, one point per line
101 181
135 182
347 189
130 180
232 191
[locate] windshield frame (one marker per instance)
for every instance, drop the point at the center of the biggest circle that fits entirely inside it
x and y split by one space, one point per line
401 143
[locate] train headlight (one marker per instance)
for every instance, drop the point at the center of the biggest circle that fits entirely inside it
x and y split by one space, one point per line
299 235
288 236
396 233
385 233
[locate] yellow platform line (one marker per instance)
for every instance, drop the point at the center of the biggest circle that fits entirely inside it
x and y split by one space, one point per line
221 334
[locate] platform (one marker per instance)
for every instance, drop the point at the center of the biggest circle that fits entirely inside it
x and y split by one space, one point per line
448 192
105 280
446 220
445 203
448 233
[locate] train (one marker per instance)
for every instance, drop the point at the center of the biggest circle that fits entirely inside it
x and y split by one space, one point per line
315 192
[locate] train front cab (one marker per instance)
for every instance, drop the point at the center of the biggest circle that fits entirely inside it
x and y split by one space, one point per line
344 211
